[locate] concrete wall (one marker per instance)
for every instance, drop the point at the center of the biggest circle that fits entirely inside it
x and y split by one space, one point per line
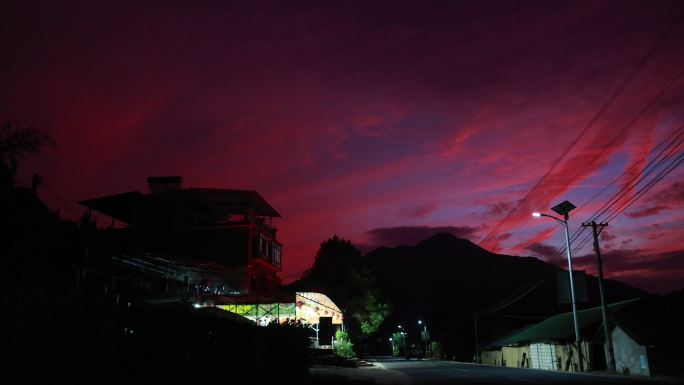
513 356
630 357
491 357
563 353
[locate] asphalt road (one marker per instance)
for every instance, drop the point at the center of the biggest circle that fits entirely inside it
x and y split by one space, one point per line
399 371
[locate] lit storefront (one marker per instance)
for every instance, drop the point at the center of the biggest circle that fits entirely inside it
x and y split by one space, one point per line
302 307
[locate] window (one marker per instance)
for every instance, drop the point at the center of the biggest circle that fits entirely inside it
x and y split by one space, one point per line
276 255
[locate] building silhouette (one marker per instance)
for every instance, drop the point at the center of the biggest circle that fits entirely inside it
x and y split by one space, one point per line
183 242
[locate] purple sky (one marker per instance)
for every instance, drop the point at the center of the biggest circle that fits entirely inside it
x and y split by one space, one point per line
382 122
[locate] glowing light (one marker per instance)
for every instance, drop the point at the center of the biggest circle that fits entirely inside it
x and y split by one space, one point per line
536 214
307 308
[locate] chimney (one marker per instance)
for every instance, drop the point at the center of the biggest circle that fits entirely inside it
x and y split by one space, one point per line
160 184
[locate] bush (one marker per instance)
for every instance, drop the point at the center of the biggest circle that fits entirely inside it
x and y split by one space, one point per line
344 347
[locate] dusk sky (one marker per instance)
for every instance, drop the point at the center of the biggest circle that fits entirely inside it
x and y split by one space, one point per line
381 122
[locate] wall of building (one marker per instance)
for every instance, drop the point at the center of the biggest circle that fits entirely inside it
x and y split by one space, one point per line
630 357
519 356
516 356
566 358
567 353
491 357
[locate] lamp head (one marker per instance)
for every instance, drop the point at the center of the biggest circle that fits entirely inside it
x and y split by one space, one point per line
536 215
563 208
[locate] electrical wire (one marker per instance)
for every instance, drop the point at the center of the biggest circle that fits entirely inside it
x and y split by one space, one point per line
655 162
654 48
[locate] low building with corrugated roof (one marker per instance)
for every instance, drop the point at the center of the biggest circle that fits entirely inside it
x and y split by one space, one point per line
646 336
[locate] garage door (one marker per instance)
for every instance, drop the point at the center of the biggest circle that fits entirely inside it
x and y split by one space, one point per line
542 356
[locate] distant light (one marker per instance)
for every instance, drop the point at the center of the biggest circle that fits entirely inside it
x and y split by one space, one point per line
196 305
399 326
390 339
536 214
420 322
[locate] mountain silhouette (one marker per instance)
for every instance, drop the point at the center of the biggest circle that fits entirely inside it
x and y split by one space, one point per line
448 276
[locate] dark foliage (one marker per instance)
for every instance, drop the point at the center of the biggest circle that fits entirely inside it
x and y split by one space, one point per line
340 271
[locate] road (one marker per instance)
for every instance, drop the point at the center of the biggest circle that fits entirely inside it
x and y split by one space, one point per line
388 370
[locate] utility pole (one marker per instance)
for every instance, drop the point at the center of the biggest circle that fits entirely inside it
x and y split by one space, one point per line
608 348
477 348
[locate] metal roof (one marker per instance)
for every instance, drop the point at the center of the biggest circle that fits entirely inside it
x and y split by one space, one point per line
118 206
230 199
560 327
218 201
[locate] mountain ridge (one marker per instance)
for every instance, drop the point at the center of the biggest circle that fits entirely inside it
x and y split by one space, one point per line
412 277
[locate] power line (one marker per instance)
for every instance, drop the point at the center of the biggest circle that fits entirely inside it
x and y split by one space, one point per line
678 161
631 168
576 235
652 165
592 121
521 293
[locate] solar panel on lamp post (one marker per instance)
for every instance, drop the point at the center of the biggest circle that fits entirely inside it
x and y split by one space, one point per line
563 209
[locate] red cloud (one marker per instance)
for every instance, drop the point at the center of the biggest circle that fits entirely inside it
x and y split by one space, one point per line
546 251
420 210
655 272
646 212
535 242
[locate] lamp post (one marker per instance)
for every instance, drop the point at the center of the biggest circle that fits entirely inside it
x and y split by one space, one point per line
563 209
403 337
425 336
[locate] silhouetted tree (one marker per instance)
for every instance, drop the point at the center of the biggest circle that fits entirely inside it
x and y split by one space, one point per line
16 141
31 235
340 272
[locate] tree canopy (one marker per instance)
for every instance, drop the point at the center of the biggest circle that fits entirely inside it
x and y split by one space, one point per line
340 271
16 141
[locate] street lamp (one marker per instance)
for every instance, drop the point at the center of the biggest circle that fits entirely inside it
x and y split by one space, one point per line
563 209
402 334
425 336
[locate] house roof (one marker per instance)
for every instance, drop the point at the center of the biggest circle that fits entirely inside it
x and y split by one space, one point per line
119 206
652 322
255 299
218 201
560 327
